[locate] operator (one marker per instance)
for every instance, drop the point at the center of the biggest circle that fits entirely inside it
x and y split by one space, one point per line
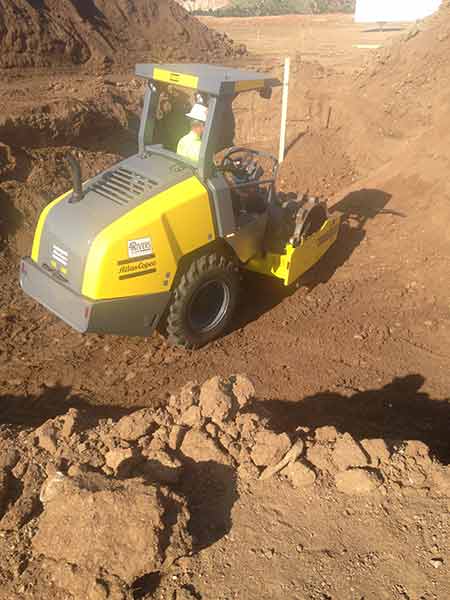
189 145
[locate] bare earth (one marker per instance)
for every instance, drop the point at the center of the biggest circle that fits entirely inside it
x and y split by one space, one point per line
361 346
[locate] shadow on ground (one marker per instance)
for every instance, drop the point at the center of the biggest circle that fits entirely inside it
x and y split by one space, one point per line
383 29
32 411
11 219
211 491
357 209
399 411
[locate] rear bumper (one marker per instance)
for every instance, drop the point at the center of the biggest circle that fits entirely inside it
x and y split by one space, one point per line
137 315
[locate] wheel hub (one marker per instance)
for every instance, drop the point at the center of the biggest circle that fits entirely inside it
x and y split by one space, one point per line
208 306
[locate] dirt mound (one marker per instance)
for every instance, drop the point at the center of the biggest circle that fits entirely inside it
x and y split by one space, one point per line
99 507
55 32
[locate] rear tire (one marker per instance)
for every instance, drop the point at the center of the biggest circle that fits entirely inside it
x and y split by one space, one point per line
204 301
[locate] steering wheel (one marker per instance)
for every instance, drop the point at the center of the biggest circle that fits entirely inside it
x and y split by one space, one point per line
245 166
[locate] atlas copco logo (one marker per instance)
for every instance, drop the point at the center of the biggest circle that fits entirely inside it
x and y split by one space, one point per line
141 247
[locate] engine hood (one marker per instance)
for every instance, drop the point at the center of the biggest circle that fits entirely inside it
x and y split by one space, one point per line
71 227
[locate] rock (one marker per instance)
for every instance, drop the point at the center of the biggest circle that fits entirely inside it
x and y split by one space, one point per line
437 562
27 506
200 448
52 487
440 477
160 467
269 448
230 429
9 457
418 451
212 430
234 450
377 450
160 438
189 395
47 437
243 389
326 434
115 528
216 400
299 474
192 417
69 423
121 460
320 456
248 424
20 468
347 453
134 426
248 471
163 418
176 436
358 482
289 457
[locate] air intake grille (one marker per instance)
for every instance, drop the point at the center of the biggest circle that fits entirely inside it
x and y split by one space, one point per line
123 185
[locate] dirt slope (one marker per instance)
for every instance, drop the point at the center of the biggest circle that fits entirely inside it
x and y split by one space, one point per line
63 32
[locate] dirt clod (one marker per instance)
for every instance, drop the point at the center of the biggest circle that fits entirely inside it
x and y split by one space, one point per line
216 402
120 460
46 436
358 482
347 453
134 426
199 447
299 475
113 527
269 448
377 451
243 389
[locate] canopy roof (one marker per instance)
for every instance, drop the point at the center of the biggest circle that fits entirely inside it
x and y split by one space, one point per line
209 79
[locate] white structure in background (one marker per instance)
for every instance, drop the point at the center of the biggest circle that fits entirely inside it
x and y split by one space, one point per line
192 5
390 11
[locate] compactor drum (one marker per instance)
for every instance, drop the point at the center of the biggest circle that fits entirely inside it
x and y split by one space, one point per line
160 239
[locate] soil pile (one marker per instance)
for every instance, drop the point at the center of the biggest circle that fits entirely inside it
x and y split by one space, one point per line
97 507
55 32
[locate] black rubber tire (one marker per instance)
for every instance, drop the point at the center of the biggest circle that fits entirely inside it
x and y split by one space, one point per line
213 274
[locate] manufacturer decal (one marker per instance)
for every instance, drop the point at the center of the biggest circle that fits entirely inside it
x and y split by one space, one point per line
139 248
129 269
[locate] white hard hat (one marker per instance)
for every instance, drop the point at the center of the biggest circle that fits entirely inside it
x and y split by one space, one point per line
198 113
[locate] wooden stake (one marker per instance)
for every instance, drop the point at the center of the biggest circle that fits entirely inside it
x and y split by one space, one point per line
284 108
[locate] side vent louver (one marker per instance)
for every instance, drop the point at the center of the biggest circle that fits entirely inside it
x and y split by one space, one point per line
122 185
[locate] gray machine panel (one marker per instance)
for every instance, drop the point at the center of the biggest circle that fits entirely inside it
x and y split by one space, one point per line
137 315
70 228
248 239
223 205
212 79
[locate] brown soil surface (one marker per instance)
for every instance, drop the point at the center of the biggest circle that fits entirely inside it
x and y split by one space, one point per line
215 495
361 346
64 32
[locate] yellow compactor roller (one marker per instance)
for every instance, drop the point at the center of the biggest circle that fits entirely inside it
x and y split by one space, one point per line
158 240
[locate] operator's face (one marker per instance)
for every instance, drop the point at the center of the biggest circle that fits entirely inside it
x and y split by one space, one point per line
199 128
